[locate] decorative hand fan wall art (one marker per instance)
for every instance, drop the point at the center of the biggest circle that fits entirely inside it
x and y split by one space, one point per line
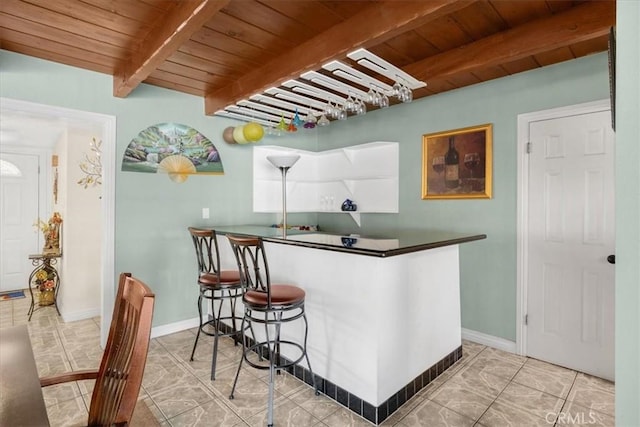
172 148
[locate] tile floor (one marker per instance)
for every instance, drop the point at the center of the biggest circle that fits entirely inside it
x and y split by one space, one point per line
487 387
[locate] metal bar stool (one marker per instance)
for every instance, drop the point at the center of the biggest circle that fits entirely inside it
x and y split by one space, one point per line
215 285
271 305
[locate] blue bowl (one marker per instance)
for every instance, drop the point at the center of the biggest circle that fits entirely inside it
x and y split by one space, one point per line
347 242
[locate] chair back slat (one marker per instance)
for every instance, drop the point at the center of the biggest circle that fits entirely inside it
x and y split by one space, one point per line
252 264
206 246
120 376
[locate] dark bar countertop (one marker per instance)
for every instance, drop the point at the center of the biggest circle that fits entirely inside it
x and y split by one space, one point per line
383 245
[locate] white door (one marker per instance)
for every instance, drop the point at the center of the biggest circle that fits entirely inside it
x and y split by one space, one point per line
570 283
18 212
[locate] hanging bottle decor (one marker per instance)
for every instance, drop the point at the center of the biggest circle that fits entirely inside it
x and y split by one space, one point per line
297 121
310 121
282 126
292 127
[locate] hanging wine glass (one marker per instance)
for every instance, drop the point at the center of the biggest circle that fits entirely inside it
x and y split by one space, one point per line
376 98
384 100
323 121
397 88
361 108
273 130
402 94
328 109
371 95
342 113
335 113
349 103
407 94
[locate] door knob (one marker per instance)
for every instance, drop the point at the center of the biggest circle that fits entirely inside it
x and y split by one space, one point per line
611 259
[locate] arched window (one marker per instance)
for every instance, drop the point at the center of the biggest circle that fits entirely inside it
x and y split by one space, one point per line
8 169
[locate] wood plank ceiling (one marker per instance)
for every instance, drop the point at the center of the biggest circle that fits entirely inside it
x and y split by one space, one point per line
228 50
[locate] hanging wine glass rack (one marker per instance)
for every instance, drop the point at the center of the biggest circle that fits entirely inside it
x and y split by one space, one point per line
333 93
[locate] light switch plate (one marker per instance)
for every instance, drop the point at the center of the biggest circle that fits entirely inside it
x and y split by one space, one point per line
205 213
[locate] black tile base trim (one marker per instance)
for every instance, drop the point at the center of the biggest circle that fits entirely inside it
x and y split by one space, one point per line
352 402
366 410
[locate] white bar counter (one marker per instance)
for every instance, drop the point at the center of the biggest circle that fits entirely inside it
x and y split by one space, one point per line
384 312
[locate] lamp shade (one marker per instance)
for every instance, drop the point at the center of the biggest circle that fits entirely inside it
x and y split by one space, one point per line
227 135
283 160
238 135
253 132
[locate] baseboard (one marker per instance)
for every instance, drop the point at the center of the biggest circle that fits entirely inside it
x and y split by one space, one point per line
489 340
157 331
79 315
172 328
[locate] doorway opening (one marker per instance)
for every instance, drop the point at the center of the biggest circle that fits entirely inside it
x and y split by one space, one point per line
107 124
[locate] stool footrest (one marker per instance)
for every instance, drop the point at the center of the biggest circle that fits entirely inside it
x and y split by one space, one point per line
261 349
221 333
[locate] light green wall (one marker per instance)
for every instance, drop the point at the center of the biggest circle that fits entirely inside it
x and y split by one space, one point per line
628 214
488 267
152 212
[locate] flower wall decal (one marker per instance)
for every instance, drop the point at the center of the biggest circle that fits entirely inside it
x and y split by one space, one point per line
92 166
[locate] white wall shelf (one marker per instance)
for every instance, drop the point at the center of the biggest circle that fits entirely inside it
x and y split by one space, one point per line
367 174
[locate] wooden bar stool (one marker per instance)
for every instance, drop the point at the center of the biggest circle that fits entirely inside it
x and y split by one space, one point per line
215 285
271 305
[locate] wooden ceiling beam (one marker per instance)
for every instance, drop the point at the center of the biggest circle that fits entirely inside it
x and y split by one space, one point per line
584 22
181 22
375 24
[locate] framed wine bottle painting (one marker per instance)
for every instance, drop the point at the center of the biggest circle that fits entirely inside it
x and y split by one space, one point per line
456 164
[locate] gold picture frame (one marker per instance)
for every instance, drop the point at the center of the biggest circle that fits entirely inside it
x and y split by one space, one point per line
457 164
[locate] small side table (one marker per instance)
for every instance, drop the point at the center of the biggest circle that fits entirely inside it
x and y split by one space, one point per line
43 263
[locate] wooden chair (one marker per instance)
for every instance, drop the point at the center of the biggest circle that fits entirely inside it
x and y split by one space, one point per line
119 378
